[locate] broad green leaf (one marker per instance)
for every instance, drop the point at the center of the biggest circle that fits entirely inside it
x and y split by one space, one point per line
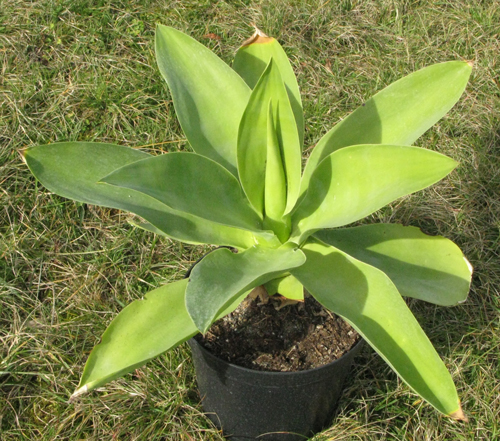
429 268
251 61
223 275
253 137
190 183
355 181
369 301
73 169
209 97
399 114
141 331
287 286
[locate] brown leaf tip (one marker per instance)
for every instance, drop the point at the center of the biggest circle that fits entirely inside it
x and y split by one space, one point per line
459 415
22 153
257 37
82 390
470 63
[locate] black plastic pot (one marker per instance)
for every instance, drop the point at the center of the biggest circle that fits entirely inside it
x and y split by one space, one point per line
269 406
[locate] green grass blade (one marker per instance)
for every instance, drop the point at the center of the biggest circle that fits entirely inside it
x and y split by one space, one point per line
190 183
366 298
399 114
209 97
429 268
355 181
251 61
73 170
223 275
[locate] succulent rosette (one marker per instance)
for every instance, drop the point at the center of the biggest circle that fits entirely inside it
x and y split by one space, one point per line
243 187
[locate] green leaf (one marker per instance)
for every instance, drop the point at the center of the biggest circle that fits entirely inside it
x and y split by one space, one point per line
253 138
141 331
275 183
223 275
369 301
353 182
73 169
190 183
251 61
209 97
429 268
399 114
287 286
146 226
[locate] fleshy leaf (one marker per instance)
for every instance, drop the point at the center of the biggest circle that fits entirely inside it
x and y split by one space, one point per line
287 286
251 61
399 114
223 275
355 181
73 169
146 226
209 97
275 184
253 137
141 331
429 268
192 184
369 301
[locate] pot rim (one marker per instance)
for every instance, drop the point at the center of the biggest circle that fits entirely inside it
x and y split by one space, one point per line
314 371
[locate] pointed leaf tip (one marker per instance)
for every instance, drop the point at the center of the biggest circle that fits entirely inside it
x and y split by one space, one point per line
22 153
80 391
459 415
257 37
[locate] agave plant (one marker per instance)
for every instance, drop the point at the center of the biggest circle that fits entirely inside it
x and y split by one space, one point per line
243 187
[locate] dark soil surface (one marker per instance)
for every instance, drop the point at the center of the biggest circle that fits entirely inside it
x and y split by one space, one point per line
296 337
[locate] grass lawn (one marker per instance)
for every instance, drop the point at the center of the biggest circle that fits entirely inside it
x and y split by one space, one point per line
85 70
